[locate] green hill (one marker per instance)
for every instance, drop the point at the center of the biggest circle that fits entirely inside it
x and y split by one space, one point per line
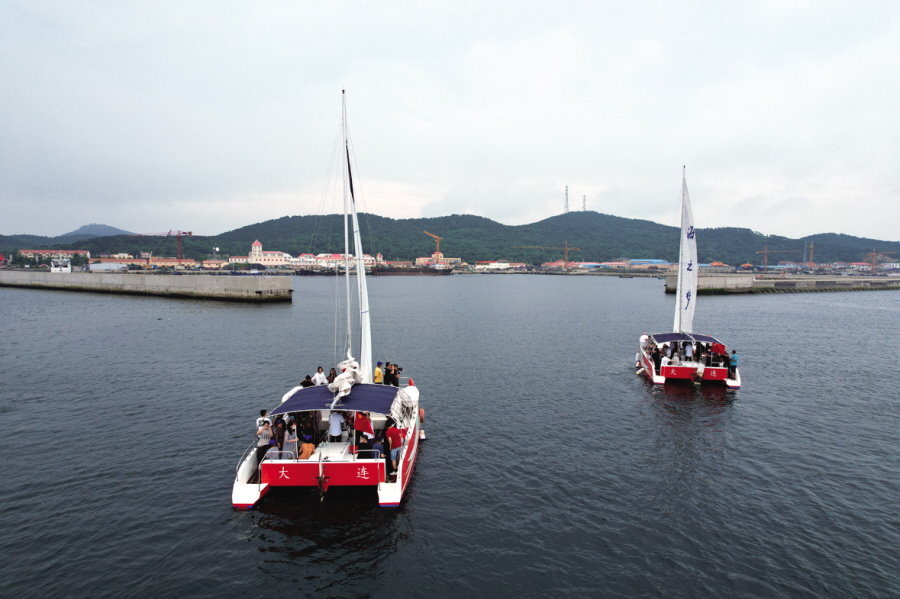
600 237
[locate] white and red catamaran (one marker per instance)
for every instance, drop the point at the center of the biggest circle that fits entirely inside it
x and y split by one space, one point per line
336 459
683 354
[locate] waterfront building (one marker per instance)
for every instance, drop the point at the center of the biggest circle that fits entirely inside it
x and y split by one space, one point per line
492 265
337 260
59 254
258 256
438 258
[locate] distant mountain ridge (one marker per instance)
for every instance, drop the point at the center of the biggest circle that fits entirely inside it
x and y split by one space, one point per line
97 230
600 237
91 231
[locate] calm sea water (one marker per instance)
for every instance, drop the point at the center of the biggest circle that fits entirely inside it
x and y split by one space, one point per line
550 468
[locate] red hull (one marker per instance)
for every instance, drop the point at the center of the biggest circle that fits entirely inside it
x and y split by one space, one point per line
306 474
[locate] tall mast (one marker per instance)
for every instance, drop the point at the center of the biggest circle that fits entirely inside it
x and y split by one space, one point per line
346 212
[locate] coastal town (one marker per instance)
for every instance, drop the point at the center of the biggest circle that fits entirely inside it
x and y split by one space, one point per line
278 261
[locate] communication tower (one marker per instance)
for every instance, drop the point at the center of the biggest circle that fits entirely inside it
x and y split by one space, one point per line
584 203
566 210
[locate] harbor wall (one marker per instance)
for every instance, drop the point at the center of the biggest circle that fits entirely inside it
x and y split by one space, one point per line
714 283
257 289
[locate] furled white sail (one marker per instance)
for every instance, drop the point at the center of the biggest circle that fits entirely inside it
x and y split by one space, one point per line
365 350
365 325
687 267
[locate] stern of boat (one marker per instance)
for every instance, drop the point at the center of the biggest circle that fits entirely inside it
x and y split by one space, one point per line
734 383
244 494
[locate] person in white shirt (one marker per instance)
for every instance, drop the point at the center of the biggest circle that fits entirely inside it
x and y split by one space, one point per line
664 362
334 426
688 352
263 417
319 377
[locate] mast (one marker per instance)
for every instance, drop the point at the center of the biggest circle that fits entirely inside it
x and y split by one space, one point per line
346 211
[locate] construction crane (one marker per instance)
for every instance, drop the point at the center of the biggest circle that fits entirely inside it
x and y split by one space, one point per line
873 255
766 253
437 240
539 247
177 234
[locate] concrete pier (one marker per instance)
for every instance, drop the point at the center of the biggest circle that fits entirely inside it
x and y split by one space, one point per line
721 283
256 289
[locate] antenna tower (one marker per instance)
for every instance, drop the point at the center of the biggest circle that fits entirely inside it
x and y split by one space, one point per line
566 211
584 203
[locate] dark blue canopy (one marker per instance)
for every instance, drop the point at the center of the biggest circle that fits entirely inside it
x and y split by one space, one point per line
362 398
705 338
670 337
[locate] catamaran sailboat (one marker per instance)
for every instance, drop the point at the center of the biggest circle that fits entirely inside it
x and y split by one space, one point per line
337 460
683 354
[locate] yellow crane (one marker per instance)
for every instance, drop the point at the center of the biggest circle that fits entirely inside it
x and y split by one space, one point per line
873 255
538 247
437 240
766 253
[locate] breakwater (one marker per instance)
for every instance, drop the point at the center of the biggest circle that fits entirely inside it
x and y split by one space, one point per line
256 289
724 283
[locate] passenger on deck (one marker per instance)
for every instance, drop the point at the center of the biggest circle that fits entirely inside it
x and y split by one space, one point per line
377 449
308 425
290 439
319 378
262 416
364 448
395 441
734 364
726 362
306 449
278 430
663 363
656 357
332 374
334 427
307 382
688 351
264 440
378 377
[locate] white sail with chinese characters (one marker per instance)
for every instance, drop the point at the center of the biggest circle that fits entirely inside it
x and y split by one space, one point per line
686 293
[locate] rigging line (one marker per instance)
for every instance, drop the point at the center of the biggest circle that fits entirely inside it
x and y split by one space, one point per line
334 151
363 197
386 333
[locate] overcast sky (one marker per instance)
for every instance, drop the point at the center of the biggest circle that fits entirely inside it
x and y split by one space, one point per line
210 116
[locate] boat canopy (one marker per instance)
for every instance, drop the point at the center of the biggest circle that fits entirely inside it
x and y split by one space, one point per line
670 337
362 398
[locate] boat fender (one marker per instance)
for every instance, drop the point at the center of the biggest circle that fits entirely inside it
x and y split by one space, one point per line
421 414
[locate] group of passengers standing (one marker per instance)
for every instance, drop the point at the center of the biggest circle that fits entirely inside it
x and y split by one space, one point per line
678 353
389 375
291 440
285 437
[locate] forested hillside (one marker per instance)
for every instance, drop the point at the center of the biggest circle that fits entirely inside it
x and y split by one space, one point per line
600 237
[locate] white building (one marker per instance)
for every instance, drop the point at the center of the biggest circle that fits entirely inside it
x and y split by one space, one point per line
258 256
337 260
492 265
